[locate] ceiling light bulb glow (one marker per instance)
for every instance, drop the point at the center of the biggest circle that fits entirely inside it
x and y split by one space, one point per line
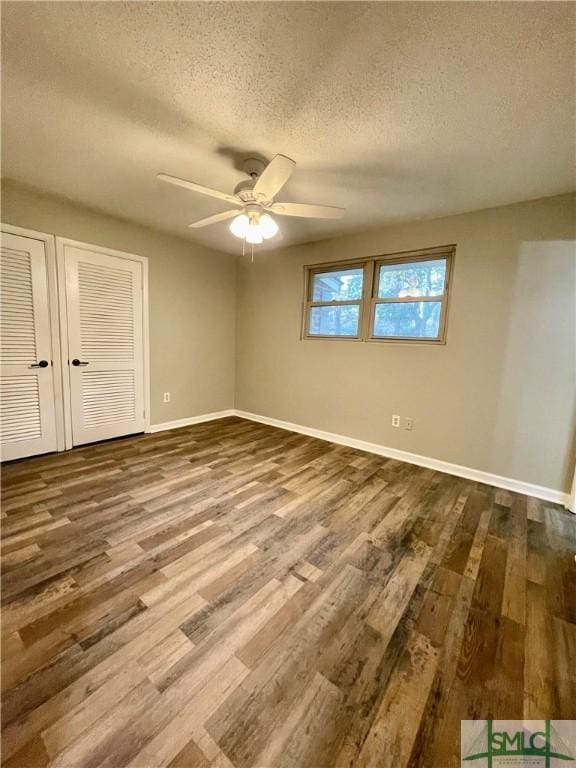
254 227
239 226
254 234
268 226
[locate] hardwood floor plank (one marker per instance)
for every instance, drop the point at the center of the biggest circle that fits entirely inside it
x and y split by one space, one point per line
190 756
231 595
407 692
91 747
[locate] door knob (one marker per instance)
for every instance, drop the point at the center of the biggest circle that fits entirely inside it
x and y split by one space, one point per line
78 362
41 364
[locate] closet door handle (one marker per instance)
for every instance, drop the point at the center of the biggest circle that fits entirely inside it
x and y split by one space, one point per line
77 362
41 364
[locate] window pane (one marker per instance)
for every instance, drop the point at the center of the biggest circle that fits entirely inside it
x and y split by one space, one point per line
415 319
340 285
339 320
415 278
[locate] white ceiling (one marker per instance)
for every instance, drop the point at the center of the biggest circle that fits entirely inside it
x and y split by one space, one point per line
395 110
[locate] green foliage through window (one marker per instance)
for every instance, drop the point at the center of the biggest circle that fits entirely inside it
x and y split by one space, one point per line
413 319
344 285
341 320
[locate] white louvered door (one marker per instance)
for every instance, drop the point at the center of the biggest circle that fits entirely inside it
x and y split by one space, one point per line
105 344
28 422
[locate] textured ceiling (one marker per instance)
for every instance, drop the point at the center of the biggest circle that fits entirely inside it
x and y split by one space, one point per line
393 110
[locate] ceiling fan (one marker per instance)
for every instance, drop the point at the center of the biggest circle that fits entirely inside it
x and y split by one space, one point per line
255 197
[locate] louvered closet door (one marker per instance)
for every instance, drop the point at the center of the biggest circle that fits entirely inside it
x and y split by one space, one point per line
27 422
105 333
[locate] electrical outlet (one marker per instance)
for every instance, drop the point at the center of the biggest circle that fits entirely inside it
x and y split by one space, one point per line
166 397
395 420
408 423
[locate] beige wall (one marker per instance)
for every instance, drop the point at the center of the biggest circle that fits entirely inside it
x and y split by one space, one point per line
499 397
192 300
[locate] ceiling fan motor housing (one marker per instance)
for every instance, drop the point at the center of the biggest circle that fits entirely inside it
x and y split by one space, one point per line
253 166
244 186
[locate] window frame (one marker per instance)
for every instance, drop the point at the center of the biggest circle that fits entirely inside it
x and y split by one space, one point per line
369 299
309 303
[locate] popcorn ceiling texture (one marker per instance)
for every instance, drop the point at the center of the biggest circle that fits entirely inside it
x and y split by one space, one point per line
396 111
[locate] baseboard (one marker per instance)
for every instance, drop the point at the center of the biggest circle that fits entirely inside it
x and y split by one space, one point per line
191 420
509 484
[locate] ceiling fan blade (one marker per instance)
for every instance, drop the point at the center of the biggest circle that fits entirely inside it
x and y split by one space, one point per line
191 185
214 219
306 211
274 176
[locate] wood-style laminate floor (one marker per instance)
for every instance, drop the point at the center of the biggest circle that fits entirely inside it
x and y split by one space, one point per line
230 594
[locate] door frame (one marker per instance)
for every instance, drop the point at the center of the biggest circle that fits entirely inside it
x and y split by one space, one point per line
55 337
61 243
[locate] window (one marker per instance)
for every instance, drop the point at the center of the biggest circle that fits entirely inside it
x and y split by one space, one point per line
408 299
335 301
395 298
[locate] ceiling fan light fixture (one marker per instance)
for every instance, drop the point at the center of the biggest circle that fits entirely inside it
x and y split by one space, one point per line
239 226
254 234
268 226
254 227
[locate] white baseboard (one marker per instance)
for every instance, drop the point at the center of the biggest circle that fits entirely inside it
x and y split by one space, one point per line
508 483
518 486
191 420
